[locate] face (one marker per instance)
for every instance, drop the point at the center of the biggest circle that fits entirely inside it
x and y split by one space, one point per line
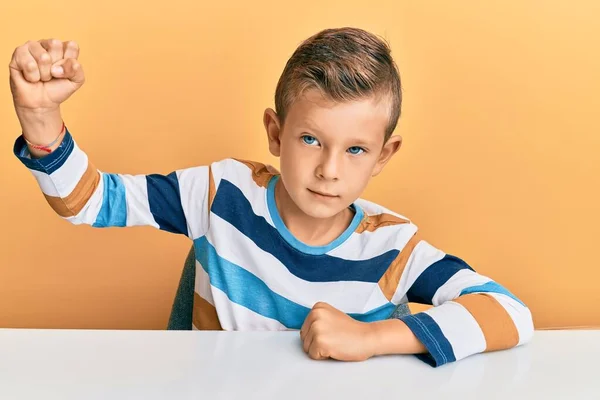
329 150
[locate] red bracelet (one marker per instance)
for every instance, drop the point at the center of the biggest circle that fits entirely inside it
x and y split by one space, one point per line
46 148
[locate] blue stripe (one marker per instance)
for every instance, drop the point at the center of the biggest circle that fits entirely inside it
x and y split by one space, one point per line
248 290
429 333
287 235
164 199
231 205
47 164
491 287
431 279
114 204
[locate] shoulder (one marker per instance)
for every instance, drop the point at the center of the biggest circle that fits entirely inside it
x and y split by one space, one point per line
384 226
237 170
377 216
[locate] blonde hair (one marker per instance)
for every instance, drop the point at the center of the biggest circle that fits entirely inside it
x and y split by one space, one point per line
344 64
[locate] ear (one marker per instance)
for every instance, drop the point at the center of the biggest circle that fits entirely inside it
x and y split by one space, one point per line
273 128
389 149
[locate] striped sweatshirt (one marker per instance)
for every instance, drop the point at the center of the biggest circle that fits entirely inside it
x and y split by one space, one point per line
253 274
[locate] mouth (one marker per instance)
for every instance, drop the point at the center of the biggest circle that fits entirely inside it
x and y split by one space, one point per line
323 194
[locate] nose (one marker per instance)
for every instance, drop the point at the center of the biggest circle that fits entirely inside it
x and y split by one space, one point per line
329 167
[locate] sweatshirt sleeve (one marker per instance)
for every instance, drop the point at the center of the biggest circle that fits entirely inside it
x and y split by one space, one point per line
81 194
471 313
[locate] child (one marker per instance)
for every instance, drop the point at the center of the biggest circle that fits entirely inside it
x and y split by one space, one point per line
296 249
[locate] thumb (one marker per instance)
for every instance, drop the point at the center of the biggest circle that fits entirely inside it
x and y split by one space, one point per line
70 69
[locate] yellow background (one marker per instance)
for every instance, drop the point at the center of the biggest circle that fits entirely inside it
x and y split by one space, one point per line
500 162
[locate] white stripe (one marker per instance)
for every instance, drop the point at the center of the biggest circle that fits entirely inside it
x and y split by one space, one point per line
62 181
520 315
68 175
371 208
376 300
45 183
457 283
136 196
202 284
219 168
402 300
240 175
422 256
348 296
193 189
366 245
89 212
459 328
234 317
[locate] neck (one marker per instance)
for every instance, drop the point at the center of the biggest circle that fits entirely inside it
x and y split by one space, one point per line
309 230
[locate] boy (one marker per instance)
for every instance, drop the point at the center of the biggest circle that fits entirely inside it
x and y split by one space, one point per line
296 249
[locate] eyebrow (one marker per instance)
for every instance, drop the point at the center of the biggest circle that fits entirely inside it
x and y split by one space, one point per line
361 142
306 124
358 142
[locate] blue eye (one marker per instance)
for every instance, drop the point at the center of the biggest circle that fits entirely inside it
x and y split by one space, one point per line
309 140
355 150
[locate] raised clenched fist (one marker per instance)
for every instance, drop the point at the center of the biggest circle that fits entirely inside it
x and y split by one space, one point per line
44 73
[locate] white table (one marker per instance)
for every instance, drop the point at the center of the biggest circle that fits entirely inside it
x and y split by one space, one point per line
81 364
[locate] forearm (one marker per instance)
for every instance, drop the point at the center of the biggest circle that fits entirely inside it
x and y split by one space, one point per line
41 127
392 336
82 194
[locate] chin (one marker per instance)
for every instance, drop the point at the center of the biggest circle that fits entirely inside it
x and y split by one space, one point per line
319 210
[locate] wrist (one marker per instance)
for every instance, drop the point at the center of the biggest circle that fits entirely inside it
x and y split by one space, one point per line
373 338
39 123
41 127
393 336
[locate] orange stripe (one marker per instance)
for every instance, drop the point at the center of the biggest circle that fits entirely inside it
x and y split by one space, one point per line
391 278
204 315
373 222
211 188
72 204
261 173
498 327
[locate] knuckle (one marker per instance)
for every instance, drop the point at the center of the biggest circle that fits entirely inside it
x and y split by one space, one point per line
54 43
31 66
317 327
71 44
314 351
45 58
19 51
